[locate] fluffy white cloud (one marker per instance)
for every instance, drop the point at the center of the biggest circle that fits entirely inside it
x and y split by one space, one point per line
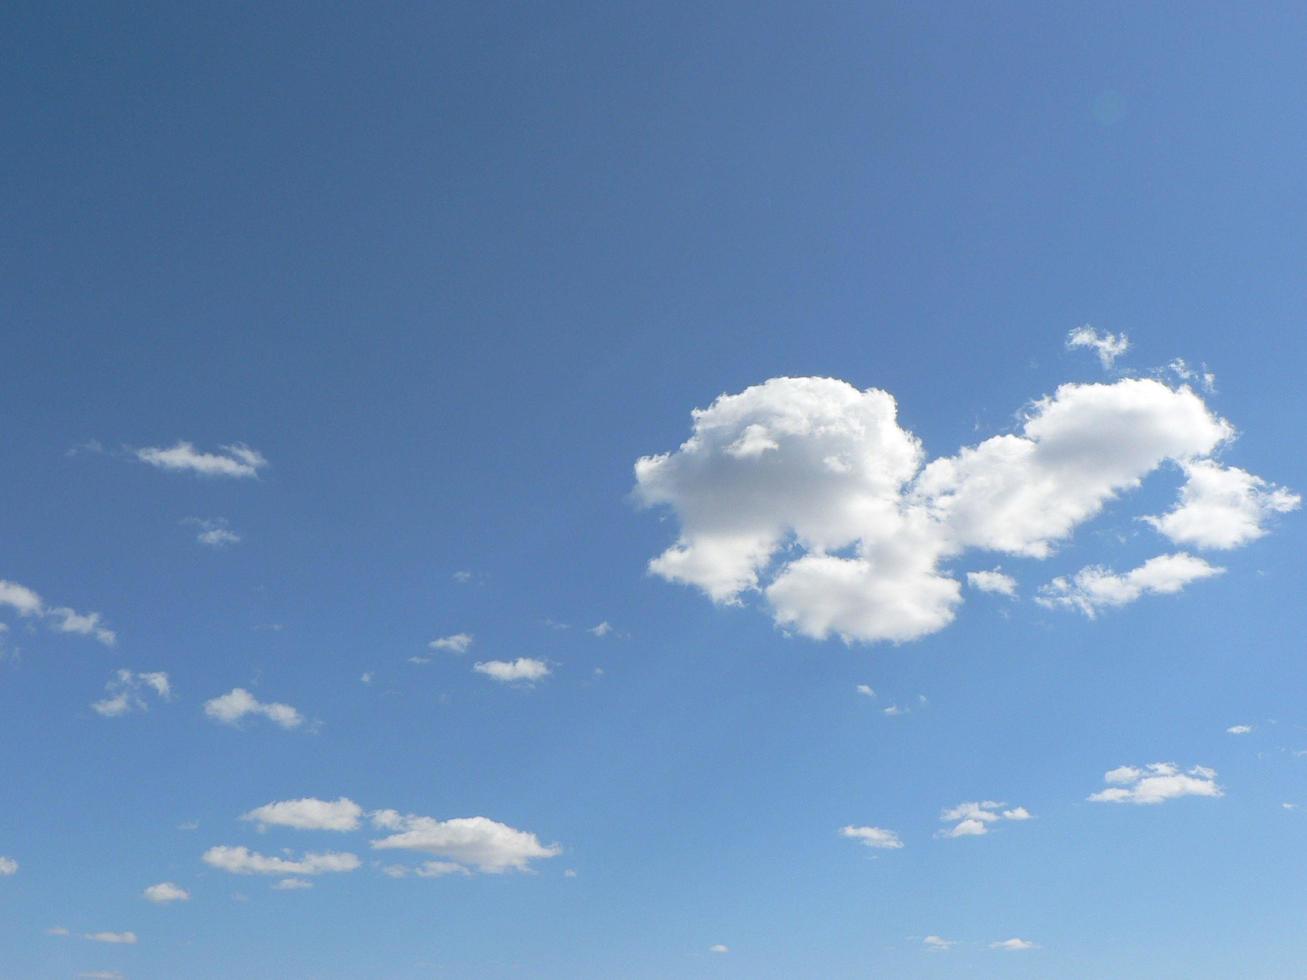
458 643
1222 506
232 707
8 866
61 619
213 532
1156 783
479 842
507 671
127 938
1108 346
165 892
127 692
992 581
236 460
876 837
937 944
973 819
1094 588
807 491
1239 729
1013 945
243 861
308 814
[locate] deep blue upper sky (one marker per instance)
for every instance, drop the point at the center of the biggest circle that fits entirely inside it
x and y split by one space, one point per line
451 270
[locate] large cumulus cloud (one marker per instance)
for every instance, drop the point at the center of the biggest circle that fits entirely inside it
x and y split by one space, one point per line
808 491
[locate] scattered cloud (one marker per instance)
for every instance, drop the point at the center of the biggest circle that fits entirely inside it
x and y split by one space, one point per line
1155 783
601 630
478 842
895 710
875 837
523 669
366 677
1108 346
213 532
231 708
165 892
937 944
308 814
292 884
8 866
189 825
243 861
127 692
26 602
993 581
123 938
462 577
1222 507
1202 377
974 819
236 460
457 643
1239 729
719 948
866 690
1013 945
809 494
58 931
1095 588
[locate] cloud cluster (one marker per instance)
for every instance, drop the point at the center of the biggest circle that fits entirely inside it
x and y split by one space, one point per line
808 492
234 706
523 669
165 892
478 842
236 460
127 692
308 814
876 837
243 861
1156 783
1095 588
25 602
974 819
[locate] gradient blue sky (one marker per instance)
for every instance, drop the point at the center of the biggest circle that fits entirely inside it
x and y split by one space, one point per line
451 270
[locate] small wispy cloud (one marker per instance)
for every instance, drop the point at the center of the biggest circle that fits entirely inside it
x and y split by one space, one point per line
236 460
1108 346
127 691
213 532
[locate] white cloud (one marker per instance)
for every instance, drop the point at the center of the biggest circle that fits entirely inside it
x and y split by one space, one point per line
292 885
58 931
243 861
126 938
127 692
8 866
876 837
1094 588
479 842
895 710
937 944
602 630
213 532
522 669
1108 346
993 581
973 819
1156 783
366 677
1222 506
1239 729
866 690
236 460
458 643
840 527
165 892
1013 945
232 707
719 948
1202 377
308 814
61 619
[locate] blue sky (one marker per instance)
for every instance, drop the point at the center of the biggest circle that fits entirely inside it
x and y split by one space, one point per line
332 333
